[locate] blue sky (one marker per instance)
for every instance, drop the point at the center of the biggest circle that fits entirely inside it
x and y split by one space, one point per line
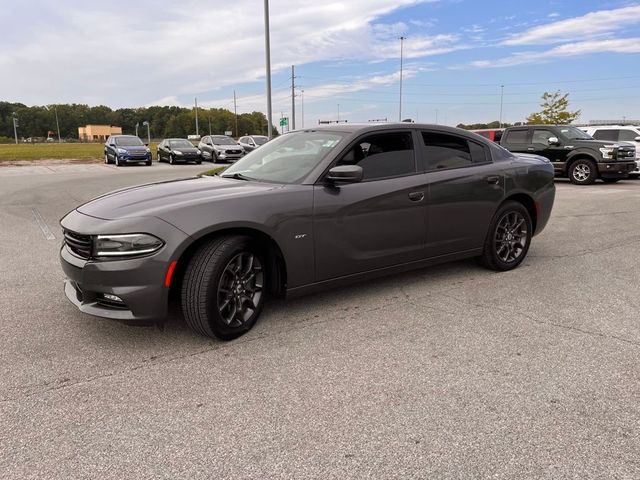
457 54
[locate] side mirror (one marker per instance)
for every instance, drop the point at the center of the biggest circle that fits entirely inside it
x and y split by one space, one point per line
146 144
345 174
637 139
554 141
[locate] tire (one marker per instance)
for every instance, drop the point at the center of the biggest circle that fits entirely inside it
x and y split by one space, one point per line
214 157
117 161
106 158
583 172
508 238
611 180
148 163
159 157
198 162
212 292
172 159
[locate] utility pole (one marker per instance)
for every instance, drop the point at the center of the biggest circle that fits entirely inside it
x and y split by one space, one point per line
197 133
302 106
137 124
235 111
402 39
15 126
209 118
501 98
293 97
55 109
338 113
267 46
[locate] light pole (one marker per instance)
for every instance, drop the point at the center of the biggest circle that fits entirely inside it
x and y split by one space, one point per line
55 109
235 112
402 39
501 98
267 47
196 102
15 126
338 113
137 124
148 132
302 106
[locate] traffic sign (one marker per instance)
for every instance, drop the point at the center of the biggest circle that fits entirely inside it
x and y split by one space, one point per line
284 121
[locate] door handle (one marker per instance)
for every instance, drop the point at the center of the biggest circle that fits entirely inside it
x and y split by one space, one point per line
493 179
416 196
531 149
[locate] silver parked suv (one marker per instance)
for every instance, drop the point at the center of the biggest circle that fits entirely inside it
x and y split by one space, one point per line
618 133
220 148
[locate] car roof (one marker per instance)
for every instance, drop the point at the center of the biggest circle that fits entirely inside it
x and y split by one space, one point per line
382 127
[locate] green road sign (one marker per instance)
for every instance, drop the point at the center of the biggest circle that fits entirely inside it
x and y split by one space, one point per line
284 121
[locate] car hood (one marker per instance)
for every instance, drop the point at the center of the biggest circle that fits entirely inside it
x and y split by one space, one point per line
136 148
185 149
154 199
228 147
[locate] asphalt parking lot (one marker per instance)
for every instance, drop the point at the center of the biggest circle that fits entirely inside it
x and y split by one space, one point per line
449 372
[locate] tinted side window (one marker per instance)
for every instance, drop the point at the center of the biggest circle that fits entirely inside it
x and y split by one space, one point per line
446 151
628 135
516 136
606 135
383 155
478 153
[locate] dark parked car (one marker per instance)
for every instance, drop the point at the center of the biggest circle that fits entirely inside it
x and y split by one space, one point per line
251 142
123 149
220 148
574 154
175 150
309 210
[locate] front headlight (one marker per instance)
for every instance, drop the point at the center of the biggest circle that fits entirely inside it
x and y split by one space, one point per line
125 245
198 152
607 152
121 150
177 152
148 150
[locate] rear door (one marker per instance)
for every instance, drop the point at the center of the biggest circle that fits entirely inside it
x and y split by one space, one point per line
465 189
378 222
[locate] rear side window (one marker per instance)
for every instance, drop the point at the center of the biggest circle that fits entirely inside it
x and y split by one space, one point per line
627 135
443 150
606 135
516 136
383 156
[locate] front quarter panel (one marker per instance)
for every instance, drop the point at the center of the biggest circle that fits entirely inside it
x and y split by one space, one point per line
284 213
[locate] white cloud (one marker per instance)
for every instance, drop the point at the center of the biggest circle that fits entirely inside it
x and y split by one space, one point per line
622 45
127 54
586 26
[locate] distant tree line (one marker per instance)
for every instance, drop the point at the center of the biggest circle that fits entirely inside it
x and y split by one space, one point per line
164 122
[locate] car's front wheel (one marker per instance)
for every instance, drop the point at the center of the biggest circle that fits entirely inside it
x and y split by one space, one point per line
223 288
106 158
583 172
509 237
117 160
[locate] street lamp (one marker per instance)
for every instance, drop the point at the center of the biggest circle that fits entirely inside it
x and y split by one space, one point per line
501 97
148 132
267 46
402 39
15 125
55 110
137 124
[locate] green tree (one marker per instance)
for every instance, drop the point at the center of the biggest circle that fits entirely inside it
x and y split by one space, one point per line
554 110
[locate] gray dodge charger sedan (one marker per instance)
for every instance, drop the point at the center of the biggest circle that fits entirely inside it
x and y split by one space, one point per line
309 210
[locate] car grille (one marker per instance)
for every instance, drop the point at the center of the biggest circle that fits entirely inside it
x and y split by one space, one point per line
234 152
78 243
138 154
626 152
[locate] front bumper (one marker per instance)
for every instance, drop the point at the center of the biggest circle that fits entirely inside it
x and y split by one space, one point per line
125 157
138 282
619 169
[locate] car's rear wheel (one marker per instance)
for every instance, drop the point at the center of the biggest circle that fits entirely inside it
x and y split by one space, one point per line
583 172
508 239
223 289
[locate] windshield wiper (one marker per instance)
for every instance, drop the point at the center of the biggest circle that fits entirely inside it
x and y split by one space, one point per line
237 176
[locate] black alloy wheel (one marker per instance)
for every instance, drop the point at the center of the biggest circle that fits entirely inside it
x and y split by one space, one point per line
224 287
509 237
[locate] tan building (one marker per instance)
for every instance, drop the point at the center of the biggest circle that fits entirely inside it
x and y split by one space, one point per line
97 133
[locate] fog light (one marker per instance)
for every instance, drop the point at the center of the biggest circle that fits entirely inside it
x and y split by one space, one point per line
113 298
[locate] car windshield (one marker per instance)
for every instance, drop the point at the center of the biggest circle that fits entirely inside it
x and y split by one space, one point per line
573 133
181 143
286 159
260 140
223 141
129 142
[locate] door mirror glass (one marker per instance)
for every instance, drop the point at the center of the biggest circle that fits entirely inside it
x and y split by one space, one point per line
345 174
637 139
554 141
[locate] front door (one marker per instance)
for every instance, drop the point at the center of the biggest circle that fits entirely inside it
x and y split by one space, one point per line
378 222
556 153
